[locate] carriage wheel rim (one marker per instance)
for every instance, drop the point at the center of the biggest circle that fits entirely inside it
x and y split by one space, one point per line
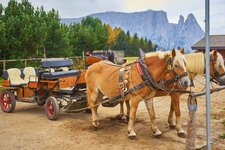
5 101
50 108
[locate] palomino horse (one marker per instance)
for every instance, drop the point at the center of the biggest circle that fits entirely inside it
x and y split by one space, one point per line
102 79
196 66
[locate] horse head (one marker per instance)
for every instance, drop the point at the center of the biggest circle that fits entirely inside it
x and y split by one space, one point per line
175 65
217 71
178 67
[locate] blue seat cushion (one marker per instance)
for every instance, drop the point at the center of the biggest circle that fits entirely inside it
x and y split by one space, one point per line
56 63
55 75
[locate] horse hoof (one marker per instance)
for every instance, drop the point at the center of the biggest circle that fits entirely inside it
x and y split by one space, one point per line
181 135
118 117
157 133
124 120
94 128
157 136
132 137
172 126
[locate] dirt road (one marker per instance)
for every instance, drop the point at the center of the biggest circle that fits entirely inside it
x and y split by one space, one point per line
28 128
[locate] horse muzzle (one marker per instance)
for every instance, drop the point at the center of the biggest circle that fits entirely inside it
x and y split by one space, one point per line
222 80
184 82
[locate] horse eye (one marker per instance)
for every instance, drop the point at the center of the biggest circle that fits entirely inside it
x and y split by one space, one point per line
176 65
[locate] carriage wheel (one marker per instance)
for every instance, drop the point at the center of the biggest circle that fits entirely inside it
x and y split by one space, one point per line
52 108
7 101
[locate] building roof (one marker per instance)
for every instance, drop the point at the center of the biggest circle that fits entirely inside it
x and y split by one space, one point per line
216 42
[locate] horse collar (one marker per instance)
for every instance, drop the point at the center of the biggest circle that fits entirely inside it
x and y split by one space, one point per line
145 75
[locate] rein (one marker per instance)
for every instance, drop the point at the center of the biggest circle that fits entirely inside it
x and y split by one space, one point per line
149 81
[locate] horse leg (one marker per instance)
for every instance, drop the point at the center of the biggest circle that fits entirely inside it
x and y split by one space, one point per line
92 100
151 111
171 113
128 107
180 131
122 115
133 110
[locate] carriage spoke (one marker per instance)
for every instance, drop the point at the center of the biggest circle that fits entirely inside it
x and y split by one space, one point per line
8 106
51 108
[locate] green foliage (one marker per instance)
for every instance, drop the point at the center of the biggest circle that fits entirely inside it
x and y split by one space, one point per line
131 44
222 136
90 34
223 123
30 32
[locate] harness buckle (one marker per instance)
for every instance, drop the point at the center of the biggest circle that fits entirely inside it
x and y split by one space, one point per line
121 85
162 83
122 69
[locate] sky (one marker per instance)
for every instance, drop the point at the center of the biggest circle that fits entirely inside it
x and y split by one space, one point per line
174 8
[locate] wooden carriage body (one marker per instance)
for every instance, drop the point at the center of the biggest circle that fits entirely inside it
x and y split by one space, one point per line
56 84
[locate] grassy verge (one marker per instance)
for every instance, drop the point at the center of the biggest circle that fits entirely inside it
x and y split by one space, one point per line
1 83
222 136
130 59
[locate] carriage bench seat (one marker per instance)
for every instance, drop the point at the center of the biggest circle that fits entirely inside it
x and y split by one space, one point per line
56 75
56 63
14 76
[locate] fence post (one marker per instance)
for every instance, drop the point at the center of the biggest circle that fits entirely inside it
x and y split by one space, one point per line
4 64
25 63
191 132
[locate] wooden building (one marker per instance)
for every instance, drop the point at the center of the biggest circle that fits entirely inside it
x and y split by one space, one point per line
216 42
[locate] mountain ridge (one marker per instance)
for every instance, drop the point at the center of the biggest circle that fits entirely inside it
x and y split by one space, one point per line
154 25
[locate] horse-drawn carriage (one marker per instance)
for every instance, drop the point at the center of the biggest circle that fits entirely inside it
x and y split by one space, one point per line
57 86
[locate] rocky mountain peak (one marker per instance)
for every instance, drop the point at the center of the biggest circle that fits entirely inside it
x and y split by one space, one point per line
191 19
155 26
181 20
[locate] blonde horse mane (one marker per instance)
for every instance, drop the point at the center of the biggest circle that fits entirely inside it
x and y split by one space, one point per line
195 63
219 60
160 54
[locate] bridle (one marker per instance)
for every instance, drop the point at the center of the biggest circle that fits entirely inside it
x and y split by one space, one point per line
217 75
175 77
150 82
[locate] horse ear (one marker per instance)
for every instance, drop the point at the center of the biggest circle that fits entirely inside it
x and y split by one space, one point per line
141 53
182 51
173 53
214 54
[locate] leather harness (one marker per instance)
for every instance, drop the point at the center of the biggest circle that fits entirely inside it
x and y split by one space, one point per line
149 81
147 78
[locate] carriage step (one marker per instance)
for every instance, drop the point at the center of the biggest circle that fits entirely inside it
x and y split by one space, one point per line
28 100
110 104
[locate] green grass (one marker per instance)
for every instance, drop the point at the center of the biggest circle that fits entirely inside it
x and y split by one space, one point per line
223 123
222 136
130 59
